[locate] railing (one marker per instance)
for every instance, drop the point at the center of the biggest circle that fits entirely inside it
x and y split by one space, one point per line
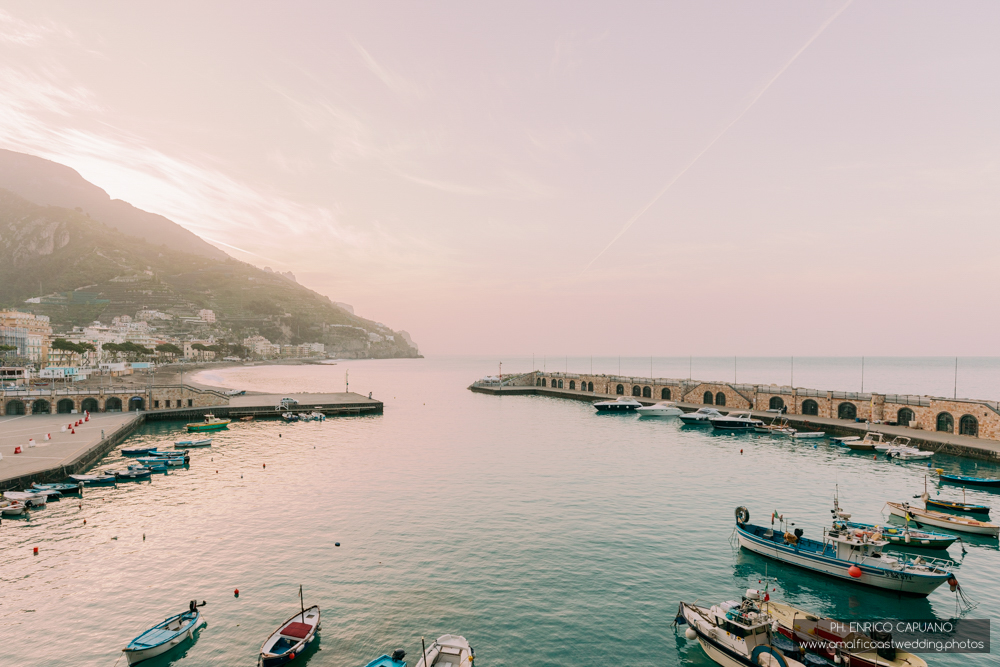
851 396
908 399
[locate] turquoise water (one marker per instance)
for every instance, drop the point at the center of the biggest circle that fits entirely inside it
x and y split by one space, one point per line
543 532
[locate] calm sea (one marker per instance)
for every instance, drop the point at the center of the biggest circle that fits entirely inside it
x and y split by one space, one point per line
543 532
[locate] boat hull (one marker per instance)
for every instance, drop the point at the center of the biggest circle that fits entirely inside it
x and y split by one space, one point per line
971 481
646 412
733 425
134 657
892 580
694 421
612 407
923 519
201 428
962 508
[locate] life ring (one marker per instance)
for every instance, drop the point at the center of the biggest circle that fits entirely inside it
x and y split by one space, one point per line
742 515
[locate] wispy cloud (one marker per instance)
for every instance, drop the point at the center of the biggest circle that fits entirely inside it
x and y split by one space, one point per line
393 81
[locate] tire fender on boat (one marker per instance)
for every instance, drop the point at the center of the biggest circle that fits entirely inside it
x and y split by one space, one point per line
742 515
760 651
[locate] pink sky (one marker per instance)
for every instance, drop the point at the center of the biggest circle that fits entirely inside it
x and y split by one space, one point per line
454 169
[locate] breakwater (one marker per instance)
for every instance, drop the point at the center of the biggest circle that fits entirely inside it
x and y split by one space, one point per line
964 427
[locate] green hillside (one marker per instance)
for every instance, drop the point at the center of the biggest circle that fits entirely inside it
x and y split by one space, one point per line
86 270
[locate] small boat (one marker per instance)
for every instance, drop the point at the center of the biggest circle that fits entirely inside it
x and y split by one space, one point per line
736 421
60 487
207 442
971 481
902 536
91 480
661 409
620 404
183 453
167 461
50 494
848 555
933 503
12 507
735 633
211 423
908 453
29 499
394 660
808 434
318 416
870 442
844 439
898 441
137 451
447 650
289 416
132 472
248 418
830 639
165 635
700 417
927 517
183 443
778 426
292 637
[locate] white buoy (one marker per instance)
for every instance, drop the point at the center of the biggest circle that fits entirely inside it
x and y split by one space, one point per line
691 634
31 442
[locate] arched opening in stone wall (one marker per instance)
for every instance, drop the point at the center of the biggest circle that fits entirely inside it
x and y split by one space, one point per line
89 405
810 407
113 404
720 398
904 416
945 423
41 407
136 403
14 408
776 403
665 394
560 384
636 390
572 384
620 390
647 392
538 382
708 399
590 386
968 425
847 411
65 406
543 382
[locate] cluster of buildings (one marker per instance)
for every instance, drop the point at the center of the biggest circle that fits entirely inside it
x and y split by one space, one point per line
29 339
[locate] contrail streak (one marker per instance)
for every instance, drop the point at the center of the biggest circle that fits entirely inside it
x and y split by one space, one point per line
697 157
239 249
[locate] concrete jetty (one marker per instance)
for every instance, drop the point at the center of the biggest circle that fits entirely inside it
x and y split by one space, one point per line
68 453
611 387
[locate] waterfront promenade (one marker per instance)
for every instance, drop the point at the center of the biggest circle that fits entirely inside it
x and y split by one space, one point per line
68 453
946 443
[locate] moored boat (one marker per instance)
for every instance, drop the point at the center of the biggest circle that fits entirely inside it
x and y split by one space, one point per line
170 461
201 443
735 633
289 416
778 426
843 440
292 637
800 435
131 473
137 451
901 535
211 423
29 499
58 486
248 418
927 517
908 453
620 404
700 417
972 481
849 555
165 635
12 507
93 480
447 650
868 444
386 660
741 420
965 508
661 409
829 638
182 443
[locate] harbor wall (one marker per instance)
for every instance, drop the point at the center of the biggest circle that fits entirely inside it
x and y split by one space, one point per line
108 399
970 417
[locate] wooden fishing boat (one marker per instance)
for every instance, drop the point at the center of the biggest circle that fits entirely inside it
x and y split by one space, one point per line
901 535
447 650
93 480
870 442
169 452
849 555
211 423
828 638
47 493
60 487
165 635
182 443
170 461
207 442
927 517
971 481
131 473
12 507
137 451
935 503
292 637
394 660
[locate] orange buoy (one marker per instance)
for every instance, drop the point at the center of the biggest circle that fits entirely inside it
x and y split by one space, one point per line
36 551
854 571
73 431
236 593
17 450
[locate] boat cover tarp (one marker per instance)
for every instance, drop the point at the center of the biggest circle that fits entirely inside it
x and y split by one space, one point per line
297 630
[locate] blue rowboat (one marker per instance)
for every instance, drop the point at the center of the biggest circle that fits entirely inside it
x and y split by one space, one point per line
131 473
61 488
137 451
972 481
964 508
901 535
168 452
845 555
394 660
164 636
163 461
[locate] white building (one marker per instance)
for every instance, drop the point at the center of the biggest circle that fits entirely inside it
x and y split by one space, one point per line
261 347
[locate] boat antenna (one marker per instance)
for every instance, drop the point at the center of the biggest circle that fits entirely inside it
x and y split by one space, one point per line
423 649
302 604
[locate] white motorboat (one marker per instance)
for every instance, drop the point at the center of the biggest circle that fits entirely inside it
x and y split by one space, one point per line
661 409
736 421
447 651
29 499
808 434
843 440
621 404
908 453
898 441
700 416
871 441
927 517
735 634
12 507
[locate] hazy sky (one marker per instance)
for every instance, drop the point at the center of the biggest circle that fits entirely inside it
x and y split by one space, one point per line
459 169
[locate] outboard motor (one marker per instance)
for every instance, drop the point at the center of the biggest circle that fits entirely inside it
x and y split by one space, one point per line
398 655
798 532
193 606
